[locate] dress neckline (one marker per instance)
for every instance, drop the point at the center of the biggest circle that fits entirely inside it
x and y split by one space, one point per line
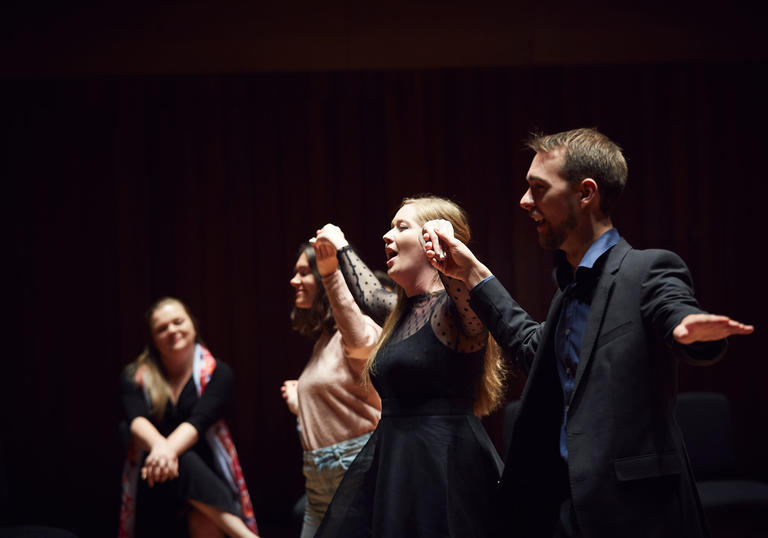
425 296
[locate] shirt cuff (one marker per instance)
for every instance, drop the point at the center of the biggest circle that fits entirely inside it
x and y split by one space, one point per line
482 282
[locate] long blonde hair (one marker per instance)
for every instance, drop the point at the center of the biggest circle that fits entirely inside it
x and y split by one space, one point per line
489 392
147 370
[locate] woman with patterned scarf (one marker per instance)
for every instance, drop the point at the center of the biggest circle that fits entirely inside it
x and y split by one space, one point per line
182 475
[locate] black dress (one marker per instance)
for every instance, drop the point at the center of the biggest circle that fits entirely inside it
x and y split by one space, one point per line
161 509
429 469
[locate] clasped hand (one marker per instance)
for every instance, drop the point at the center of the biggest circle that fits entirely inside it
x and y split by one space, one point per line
327 242
445 252
162 464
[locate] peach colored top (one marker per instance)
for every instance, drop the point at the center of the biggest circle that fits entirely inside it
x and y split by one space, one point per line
333 404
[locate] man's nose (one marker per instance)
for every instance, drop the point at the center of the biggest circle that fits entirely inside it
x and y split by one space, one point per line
526 202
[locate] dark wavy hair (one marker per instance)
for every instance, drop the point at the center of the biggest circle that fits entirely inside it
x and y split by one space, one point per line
311 322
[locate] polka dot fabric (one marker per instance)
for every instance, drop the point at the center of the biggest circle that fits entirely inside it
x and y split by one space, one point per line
368 292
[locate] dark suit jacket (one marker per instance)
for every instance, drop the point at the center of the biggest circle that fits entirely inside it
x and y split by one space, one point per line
627 466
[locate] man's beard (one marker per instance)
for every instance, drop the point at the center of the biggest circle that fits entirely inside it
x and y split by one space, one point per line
553 238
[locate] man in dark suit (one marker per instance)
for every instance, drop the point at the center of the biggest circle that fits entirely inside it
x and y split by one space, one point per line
595 450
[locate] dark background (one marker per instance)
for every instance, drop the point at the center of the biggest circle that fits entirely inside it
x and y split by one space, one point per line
188 148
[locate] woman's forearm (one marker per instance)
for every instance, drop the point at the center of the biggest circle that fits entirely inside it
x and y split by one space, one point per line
350 320
180 440
145 433
183 438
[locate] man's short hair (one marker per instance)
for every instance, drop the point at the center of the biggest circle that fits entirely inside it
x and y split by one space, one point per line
588 153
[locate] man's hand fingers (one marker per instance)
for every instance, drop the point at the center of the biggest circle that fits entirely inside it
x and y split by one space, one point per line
432 239
740 328
708 327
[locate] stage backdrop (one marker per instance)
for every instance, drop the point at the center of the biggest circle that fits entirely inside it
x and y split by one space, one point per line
122 189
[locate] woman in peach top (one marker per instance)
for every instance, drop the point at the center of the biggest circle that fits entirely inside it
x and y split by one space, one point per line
336 411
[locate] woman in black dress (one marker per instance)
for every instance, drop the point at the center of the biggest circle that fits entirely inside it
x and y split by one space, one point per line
429 468
174 396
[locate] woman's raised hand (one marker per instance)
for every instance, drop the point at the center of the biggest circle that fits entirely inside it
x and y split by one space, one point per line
449 255
327 242
441 247
333 233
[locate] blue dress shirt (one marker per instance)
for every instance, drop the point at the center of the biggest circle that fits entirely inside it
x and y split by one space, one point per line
578 288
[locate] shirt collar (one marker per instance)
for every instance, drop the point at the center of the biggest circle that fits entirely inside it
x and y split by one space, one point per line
564 274
599 247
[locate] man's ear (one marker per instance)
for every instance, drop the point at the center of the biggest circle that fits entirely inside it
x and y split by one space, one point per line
588 191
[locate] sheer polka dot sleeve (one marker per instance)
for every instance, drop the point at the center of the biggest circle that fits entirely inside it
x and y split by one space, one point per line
370 295
456 324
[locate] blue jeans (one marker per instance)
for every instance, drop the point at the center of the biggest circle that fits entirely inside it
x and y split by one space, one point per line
323 470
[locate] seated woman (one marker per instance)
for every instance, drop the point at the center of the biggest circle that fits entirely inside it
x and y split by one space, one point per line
429 469
174 396
336 413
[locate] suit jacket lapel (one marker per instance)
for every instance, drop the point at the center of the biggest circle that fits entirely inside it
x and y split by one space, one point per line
598 308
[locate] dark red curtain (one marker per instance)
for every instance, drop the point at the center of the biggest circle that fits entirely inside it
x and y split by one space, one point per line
118 190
